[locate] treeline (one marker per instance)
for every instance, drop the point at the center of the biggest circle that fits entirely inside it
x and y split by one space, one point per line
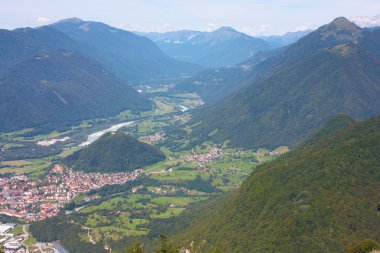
199 184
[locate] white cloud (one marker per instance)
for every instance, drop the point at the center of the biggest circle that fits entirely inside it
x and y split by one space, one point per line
301 28
42 19
364 21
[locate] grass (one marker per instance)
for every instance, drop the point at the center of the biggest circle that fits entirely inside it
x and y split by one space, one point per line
68 152
17 230
31 240
176 201
176 175
118 203
171 212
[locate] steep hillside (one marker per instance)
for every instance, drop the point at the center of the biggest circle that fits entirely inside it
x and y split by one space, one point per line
114 152
20 44
62 87
320 197
128 55
330 71
222 47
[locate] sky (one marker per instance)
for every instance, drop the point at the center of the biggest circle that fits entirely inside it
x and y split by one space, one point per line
254 17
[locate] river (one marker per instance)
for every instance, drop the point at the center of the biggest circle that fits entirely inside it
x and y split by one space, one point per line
94 136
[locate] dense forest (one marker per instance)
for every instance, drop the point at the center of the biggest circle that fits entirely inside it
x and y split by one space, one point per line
321 196
114 152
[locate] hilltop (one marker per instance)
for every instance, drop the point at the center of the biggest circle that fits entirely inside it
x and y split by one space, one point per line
114 152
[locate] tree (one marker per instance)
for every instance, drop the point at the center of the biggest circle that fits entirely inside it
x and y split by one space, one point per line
2 250
165 246
364 246
136 248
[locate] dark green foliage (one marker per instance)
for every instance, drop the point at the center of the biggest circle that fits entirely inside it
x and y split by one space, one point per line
62 87
136 248
199 184
67 233
114 152
319 197
364 246
166 246
331 71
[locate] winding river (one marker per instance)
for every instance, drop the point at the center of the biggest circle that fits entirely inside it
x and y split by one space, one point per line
94 136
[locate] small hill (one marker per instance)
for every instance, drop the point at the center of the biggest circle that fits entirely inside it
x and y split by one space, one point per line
334 70
319 197
62 87
129 56
224 46
114 152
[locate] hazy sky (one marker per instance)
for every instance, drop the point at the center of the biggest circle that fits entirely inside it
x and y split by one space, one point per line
255 17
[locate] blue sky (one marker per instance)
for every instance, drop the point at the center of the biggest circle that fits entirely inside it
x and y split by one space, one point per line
255 17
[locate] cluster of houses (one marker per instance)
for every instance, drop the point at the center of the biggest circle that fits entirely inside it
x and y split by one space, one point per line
152 139
11 242
37 200
204 158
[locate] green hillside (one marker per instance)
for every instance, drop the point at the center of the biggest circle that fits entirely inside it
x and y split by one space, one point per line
320 197
331 71
62 87
114 152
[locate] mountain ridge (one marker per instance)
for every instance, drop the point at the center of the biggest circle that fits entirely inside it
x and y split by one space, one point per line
310 82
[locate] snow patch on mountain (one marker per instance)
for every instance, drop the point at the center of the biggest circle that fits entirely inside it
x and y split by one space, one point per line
364 21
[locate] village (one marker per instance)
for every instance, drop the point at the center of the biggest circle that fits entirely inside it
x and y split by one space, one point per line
37 200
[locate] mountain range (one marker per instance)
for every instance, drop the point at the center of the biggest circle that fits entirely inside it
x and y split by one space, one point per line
284 40
333 70
129 56
222 47
74 70
320 197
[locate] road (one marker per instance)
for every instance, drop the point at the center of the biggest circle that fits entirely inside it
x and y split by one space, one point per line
26 233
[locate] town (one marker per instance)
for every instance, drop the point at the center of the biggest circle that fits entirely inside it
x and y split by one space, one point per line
37 200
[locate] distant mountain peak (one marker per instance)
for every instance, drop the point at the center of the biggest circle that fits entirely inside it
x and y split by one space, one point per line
343 23
226 29
341 29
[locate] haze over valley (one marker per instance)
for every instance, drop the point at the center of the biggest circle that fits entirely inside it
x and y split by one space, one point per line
241 126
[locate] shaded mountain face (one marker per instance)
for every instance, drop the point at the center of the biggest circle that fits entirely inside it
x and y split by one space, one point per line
222 47
128 55
20 44
335 69
214 85
286 39
320 197
62 87
114 152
